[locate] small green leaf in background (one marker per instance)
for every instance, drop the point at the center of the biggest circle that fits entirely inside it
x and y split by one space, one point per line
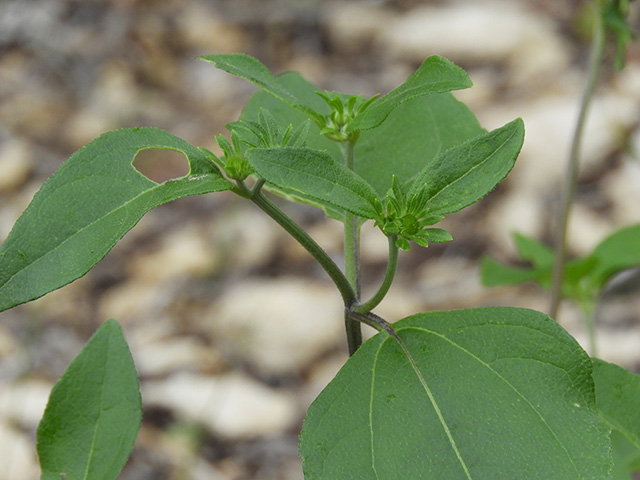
584 278
315 174
618 252
614 15
87 205
493 273
464 174
502 393
435 75
94 412
618 399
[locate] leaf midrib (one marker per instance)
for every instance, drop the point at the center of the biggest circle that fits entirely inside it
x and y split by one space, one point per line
503 379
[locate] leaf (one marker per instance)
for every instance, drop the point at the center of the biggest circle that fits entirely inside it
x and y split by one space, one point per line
413 133
435 75
465 173
493 274
87 205
94 412
530 249
626 457
492 393
315 174
254 71
618 398
616 253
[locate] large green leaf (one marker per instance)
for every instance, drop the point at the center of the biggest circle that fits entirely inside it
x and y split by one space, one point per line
94 412
492 393
316 174
463 174
435 75
87 205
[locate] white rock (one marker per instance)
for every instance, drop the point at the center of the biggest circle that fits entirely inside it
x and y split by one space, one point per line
17 455
186 251
170 354
15 163
233 405
353 24
623 187
279 325
491 31
24 402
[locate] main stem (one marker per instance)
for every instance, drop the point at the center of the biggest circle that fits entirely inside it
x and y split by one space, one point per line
352 260
571 178
348 294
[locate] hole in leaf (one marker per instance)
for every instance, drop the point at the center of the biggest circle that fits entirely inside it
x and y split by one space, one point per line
161 164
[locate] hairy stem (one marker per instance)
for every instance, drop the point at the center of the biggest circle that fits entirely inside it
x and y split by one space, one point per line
329 266
375 300
571 178
352 260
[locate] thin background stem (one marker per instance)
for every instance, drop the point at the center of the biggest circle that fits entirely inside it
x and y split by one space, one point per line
571 178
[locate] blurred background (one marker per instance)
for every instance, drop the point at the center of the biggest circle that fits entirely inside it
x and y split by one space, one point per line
233 328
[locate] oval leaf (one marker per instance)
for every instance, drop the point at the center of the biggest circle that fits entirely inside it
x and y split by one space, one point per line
254 71
464 174
94 412
87 205
489 393
315 174
435 75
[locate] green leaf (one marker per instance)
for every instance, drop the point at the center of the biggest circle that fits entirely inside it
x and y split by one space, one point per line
614 15
616 253
87 205
392 148
626 457
315 174
465 173
492 393
530 249
435 75
254 71
94 412
618 398
493 274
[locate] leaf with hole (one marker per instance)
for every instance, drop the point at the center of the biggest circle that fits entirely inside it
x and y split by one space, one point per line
87 205
487 393
94 412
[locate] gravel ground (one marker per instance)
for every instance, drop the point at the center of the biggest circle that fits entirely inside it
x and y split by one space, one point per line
233 328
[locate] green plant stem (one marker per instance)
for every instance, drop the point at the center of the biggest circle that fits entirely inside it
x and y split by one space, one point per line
571 178
352 260
386 282
329 266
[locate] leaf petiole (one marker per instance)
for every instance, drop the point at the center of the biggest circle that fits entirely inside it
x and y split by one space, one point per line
375 300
